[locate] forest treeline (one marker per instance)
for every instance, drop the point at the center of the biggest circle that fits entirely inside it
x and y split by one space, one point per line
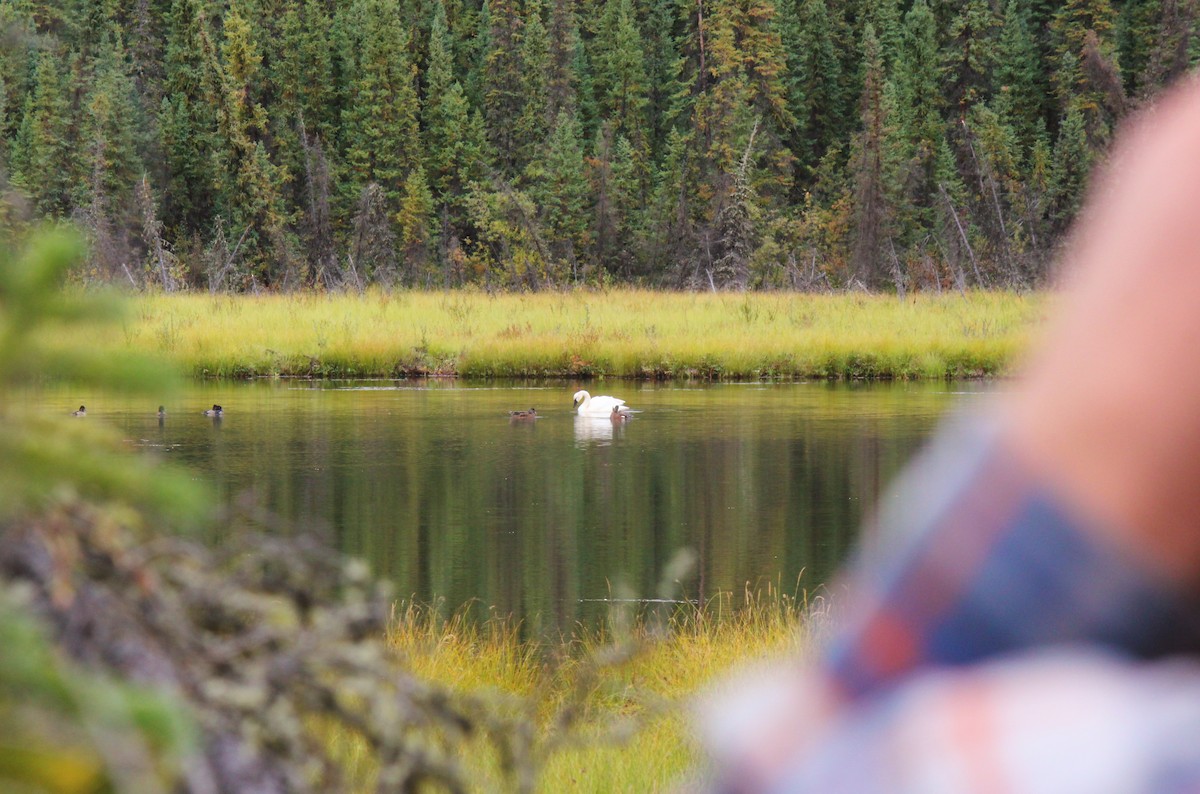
279 144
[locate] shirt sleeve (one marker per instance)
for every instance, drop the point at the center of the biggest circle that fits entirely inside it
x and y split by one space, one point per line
1066 719
972 558
985 639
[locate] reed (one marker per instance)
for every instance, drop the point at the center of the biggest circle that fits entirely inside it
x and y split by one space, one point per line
606 707
617 333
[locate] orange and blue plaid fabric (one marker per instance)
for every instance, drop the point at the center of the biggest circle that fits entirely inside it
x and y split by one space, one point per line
981 560
990 645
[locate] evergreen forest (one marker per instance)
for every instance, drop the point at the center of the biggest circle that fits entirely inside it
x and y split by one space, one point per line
246 145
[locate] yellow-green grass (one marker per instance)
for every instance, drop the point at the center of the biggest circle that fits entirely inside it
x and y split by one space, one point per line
634 730
616 333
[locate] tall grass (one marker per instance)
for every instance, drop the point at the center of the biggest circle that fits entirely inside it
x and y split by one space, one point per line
607 707
620 333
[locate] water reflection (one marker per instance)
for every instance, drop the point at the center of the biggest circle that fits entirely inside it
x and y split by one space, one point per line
596 430
445 494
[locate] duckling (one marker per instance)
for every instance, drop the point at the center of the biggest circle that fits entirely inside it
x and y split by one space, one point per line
216 411
523 415
81 412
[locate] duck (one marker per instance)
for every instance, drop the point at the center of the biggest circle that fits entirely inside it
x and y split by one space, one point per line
216 411
523 415
618 416
162 412
599 407
81 412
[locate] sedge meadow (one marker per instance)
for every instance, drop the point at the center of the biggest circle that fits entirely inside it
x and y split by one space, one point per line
621 333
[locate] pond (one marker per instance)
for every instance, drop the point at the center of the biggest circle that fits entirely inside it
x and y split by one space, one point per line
549 519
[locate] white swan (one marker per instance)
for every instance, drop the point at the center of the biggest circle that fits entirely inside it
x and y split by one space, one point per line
599 407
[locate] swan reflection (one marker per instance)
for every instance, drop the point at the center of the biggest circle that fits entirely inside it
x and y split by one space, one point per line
597 430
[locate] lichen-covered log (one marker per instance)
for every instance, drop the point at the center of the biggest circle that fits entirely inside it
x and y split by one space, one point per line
271 642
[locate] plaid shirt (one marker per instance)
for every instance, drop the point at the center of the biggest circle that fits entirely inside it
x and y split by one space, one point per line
989 645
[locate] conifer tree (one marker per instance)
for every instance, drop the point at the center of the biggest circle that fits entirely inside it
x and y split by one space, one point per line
502 81
558 185
671 219
620 76
871 230
302 75
1068 31
605 210
1168 57
1072 161
970 55
188 122
627 197
1135 33
416 222
380 134
663 66
444 114
821 83
43 161
455 146
562 82
533 123
14 69
915 128
247 181
743 99
736 230
884 17
110 118
994 158
1020 92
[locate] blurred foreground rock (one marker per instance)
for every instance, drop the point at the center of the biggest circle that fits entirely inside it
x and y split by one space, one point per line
276 645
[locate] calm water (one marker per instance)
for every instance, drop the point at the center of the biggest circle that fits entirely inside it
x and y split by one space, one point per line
449 499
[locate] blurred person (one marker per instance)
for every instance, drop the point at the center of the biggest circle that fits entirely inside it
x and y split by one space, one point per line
1024 615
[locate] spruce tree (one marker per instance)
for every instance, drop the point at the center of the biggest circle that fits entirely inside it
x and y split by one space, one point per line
871 224
1068 31
533 123
627 200
416 223
111 116
663 66
247 181
188 123
970 56
502 82
558 186
620 76
1135 34
671 218
884 17
562 82
380 133
43 160
821 83
1168 57
1072 162
914 131
444 114
1019 77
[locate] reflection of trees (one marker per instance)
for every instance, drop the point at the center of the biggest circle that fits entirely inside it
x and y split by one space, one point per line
524 519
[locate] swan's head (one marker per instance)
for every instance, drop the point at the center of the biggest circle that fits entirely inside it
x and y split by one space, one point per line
580 396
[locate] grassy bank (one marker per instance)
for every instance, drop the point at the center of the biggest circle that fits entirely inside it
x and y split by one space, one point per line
618 333
615 726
